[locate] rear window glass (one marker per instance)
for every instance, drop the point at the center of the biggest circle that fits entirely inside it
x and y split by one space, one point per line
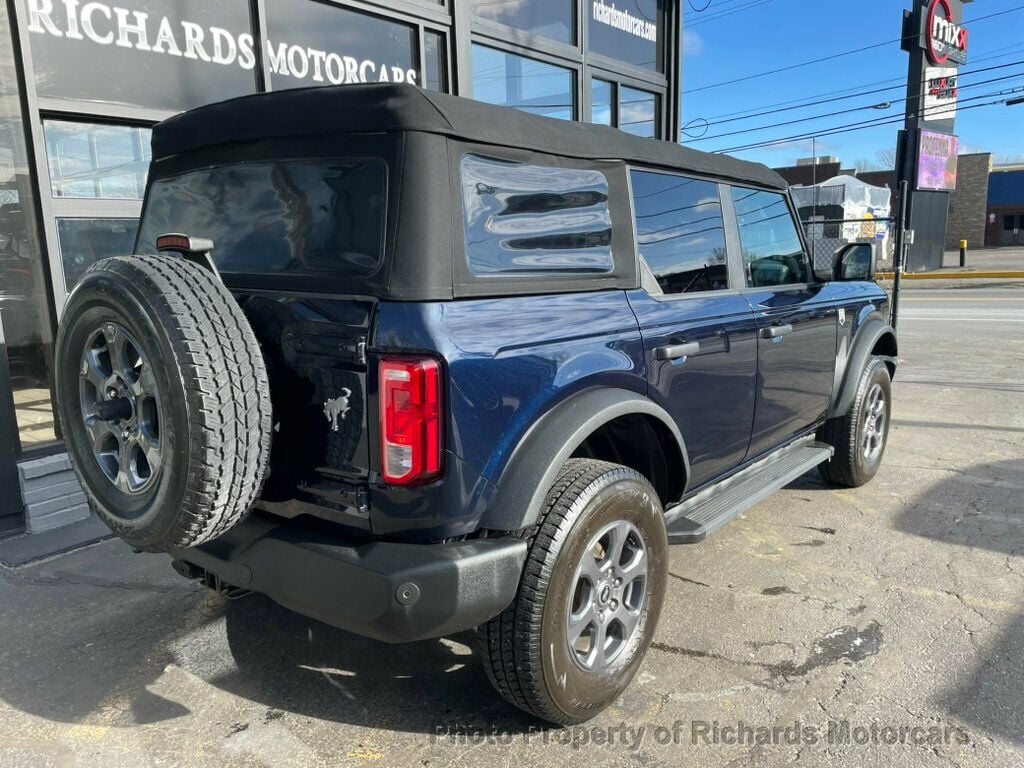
530 219
297 216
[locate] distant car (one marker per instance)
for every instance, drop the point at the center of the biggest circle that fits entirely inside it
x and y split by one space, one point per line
411 364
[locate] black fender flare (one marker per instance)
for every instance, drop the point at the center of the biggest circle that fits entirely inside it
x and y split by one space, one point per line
540 454
849 369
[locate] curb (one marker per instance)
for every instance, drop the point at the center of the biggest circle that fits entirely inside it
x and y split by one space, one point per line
1006 275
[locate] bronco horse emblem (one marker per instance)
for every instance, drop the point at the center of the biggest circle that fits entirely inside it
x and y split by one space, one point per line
336 408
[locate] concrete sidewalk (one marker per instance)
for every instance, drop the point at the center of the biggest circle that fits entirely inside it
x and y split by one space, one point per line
982 264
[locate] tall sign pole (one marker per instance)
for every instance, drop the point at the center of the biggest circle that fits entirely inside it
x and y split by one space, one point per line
926 155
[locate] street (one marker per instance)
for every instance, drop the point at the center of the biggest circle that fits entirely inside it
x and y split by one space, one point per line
875 627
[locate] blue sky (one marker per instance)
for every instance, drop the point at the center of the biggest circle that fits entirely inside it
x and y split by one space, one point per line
770 34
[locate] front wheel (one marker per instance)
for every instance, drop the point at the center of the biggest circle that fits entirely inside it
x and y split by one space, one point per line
859 436
589 599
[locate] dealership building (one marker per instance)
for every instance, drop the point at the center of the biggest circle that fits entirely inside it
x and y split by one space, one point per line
82 83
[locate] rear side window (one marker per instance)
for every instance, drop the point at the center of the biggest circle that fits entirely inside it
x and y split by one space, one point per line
772 251
680 231
535 220
297 216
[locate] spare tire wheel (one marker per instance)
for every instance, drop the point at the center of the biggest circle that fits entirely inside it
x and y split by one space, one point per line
163 399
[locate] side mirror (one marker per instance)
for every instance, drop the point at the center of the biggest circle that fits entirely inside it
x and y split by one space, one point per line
853 262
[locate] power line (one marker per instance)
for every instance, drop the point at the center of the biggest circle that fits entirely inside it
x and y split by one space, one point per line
812 118
834 56
747 6
868 124
856 90
901 86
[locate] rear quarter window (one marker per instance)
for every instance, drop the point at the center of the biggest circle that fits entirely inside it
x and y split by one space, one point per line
524 220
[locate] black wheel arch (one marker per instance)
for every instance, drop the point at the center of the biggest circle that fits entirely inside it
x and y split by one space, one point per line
559 435
875 339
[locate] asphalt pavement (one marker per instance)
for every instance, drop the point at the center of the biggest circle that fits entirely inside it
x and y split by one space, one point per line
882 626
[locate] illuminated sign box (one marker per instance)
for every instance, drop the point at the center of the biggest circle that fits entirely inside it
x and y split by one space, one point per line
936 161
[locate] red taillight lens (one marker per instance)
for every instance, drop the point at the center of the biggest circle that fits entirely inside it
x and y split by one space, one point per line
410 420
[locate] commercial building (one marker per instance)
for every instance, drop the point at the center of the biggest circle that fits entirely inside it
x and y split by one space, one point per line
1005 220
81 84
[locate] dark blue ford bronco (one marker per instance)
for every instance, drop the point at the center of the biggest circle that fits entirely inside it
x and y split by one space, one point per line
411 364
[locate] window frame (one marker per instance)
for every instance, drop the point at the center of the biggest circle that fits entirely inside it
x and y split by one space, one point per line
737 244
733 257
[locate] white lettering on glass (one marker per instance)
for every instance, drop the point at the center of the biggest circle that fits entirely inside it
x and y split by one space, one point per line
625 21
142 31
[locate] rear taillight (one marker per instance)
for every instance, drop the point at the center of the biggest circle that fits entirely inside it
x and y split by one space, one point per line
410 419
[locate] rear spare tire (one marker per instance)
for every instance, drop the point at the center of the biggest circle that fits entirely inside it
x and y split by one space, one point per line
164 402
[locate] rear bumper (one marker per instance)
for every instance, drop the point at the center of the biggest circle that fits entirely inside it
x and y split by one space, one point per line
393 592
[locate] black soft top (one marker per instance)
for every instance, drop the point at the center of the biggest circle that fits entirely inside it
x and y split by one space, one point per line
399 107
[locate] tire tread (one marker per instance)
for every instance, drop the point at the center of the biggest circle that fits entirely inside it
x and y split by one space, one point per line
227 394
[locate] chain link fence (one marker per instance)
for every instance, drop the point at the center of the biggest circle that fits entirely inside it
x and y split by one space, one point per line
826 236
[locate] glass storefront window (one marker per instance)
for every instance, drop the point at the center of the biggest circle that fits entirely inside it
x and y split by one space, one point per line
638 112
515 81
632 32
551 18
85 241
97 161
161 54
436 76
23 304
601 101
312 43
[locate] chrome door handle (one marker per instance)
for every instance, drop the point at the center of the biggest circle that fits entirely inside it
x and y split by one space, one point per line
776 331
676 351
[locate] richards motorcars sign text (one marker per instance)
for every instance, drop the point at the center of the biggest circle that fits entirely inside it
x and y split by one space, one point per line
103 24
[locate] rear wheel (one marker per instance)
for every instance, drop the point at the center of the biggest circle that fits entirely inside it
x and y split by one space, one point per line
164 401
859 436
590 596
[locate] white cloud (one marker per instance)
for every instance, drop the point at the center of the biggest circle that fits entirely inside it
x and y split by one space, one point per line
693 44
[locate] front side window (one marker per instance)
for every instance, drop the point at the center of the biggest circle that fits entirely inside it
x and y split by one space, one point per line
772 251
529 219
680 231
295 216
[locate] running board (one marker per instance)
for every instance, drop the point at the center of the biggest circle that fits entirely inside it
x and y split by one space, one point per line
691 521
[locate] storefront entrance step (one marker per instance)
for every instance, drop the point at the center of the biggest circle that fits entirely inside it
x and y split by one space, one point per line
29 547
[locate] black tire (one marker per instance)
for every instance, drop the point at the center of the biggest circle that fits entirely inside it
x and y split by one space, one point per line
182 355
526 650
853 465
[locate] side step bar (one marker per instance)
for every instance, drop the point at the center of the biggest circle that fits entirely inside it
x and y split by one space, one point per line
691 521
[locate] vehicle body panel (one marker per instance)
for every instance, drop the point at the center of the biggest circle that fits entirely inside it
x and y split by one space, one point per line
795 372
710 394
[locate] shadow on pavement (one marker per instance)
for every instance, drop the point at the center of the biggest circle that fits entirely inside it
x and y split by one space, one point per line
290 662
982 507
80 648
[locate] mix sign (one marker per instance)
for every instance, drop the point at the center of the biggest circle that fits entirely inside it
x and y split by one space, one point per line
946 40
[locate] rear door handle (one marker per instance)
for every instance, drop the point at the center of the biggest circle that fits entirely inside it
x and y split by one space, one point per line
776 331
676 351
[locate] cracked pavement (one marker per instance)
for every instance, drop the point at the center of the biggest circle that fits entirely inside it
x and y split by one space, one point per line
892 610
